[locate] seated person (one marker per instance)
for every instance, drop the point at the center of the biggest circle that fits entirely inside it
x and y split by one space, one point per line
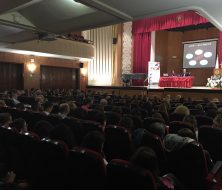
185 73
173 73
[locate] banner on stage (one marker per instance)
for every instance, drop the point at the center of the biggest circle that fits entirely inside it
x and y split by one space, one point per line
153 72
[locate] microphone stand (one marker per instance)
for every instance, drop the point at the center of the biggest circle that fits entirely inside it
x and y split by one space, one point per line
144 85
149 83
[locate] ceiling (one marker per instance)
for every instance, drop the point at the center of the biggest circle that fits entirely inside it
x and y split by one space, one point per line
23 20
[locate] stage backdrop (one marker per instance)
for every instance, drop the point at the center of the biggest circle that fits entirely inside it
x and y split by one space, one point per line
153 72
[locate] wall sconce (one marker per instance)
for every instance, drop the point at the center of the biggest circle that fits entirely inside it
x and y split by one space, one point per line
83 71
31 67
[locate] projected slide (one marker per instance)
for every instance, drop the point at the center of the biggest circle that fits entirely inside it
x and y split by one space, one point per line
199 54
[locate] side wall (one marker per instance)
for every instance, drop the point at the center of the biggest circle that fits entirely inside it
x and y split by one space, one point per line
34 80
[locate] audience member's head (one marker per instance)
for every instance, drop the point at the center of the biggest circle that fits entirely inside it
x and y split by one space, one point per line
5 119
174 142
211 105
191 120
164 107
43 128
146 158
178 98
158 129
72 105
103 102
48 106
36 106
158 115
64 133
199 107
215 100
183 110
185 132
20 125
2 103
217 121
64 108
94 140
127 123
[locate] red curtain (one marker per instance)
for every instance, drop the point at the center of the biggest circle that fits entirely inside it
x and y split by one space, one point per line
142 36
168 21
141 54
220 50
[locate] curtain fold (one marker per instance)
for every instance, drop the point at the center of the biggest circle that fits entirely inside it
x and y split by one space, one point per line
185 18
141 55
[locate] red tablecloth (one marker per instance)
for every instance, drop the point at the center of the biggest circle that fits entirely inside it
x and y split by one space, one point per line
179 82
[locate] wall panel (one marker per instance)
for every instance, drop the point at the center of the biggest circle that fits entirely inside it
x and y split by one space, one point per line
57 77
169 51
11 76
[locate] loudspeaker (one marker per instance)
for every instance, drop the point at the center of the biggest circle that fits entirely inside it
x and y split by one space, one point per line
115 40
80 65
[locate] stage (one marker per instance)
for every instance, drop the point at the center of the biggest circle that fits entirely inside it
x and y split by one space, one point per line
195 92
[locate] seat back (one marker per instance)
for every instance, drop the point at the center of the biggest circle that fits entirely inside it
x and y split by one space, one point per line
118 144
203 120
112 118
176 117
149 120
153 141
48 165
211 139
189 165
175 126
137 121
121 173
85 169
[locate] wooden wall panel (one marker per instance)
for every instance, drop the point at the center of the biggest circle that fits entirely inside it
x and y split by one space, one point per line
56 77
11 76
161 50
33 81
173 59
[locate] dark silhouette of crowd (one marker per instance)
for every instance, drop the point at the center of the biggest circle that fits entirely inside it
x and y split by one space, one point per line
53 139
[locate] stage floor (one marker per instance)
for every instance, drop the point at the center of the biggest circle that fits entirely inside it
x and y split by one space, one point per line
195 92
193 87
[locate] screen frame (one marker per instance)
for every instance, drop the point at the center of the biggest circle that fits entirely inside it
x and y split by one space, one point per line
201 41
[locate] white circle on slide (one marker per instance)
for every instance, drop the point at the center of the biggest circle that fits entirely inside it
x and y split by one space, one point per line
192 62
204 62
198 51
208 54
189 56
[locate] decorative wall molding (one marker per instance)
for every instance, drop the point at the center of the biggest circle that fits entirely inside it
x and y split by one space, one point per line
127 48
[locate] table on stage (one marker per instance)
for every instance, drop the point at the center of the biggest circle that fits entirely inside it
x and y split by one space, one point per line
174 81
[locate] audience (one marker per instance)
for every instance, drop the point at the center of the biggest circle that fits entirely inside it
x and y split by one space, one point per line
80 107
43 128
5 120
217 121
20 125
146 158
63 110
48 106
95 140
